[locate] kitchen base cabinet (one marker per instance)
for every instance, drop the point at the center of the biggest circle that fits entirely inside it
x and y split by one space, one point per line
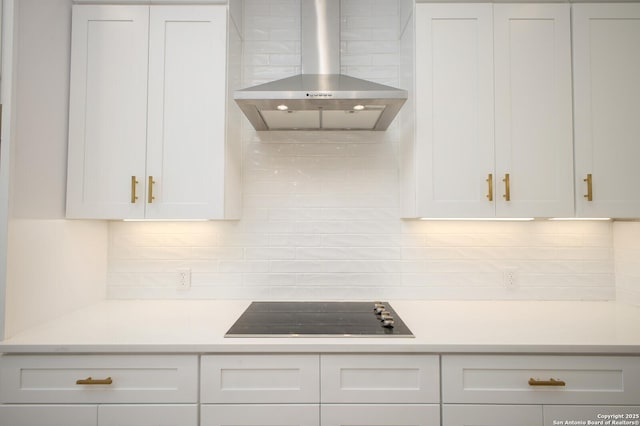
99 415
401 379
260 415
259 379
543 389
320 389
48 415
148 415
98 379
540 379
99 390
491 415
380 415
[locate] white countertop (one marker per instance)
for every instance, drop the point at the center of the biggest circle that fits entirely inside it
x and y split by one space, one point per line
190 326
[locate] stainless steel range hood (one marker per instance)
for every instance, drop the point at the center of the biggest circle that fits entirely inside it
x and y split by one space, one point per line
320 98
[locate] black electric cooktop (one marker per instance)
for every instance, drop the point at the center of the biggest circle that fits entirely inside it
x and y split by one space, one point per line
319 319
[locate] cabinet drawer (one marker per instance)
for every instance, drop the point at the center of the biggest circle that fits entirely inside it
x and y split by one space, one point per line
98 379
380 378
260 415
260 379
48 415
528 379
493 415
146 415
380 415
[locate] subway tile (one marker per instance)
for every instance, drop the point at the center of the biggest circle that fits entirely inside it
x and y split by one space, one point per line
353 253
272 47
295 240
320 210
257 7
284 59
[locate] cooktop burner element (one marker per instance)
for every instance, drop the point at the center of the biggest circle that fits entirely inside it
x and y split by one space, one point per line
319 319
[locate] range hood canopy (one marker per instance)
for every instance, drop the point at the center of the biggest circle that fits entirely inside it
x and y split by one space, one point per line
320 98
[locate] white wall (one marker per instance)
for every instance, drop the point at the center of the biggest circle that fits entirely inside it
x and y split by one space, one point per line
627 261
320 216
53 265
42 87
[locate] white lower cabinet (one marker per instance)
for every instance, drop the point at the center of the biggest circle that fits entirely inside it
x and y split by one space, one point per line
319 390
259 379
540 379
99 415
380 415
326 390
148 415
99 390
48 415
260 415
386 379
540 390
491 415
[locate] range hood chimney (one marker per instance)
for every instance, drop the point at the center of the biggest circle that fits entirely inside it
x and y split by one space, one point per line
320 98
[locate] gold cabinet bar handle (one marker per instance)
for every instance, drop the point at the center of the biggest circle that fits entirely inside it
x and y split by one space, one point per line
134 183
589 181
507 187
150 196
550 382
490 184
91 381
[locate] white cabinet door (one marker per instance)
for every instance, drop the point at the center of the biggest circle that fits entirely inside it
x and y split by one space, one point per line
466 167
606 66
380 415
148 114
187 103
491 415
260 378
71 379
454 147
108 111
369 378
533 100
48 415
148 415
260 415
540 379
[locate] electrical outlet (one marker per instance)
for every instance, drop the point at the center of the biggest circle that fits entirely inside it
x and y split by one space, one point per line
184 279
509 278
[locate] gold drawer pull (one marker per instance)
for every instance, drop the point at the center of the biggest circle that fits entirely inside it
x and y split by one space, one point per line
550 382
90 381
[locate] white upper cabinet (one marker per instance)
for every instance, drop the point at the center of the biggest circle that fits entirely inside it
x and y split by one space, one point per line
108 111
606 42
533 115
454 147
187 102
493 111
148 118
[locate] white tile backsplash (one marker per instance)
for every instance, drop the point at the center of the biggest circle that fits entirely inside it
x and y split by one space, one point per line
627 261
320 217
